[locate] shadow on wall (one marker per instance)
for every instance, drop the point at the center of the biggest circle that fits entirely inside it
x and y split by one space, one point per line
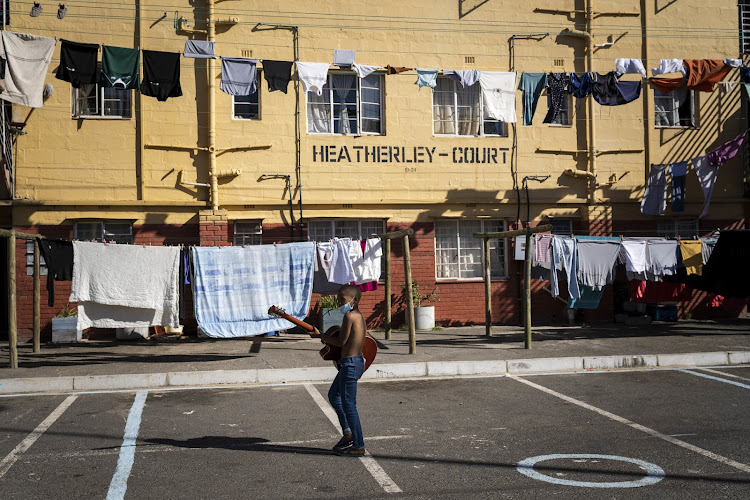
466 7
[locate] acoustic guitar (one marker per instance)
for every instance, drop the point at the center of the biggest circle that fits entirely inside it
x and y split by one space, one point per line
331 352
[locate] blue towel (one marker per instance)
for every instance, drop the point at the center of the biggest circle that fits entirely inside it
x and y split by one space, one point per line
233 287
589 299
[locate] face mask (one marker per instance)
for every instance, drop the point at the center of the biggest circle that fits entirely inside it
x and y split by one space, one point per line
346 308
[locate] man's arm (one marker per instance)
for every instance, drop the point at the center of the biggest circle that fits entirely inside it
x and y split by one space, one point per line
340 340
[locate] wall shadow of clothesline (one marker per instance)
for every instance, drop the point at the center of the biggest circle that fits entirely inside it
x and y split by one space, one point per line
466 7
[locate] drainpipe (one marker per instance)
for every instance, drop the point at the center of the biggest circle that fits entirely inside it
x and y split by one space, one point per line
646 93
590 102
214 201
140 172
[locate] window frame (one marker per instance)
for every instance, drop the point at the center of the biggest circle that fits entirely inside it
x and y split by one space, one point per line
329 86
743 12
248 234
556 230
568 108
102 230
333 227
258 104
674 229
455 112
502 274
692 98
100 104
30 260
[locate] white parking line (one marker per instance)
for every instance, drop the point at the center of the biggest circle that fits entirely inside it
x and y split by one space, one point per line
377 472
24 445
713 456
724 374
719 379
119 483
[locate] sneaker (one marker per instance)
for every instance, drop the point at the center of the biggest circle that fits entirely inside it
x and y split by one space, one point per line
351 452
345 442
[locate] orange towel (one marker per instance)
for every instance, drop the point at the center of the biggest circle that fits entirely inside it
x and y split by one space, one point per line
704 73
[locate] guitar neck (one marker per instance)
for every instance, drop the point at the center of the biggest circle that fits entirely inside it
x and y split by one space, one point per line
297 322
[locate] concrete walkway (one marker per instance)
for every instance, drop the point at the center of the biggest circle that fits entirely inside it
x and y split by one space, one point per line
185 361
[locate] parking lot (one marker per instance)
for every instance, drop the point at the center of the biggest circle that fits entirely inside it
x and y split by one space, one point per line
628 434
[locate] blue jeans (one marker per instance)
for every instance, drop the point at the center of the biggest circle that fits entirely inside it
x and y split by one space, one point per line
343 396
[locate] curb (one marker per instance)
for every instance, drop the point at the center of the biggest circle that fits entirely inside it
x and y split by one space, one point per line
424 369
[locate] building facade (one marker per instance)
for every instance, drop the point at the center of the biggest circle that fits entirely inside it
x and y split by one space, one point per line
378 153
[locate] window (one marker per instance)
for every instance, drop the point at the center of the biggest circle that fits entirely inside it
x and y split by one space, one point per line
349 106
324 230
458 110
678 228
30 260
95 101
114 231
562 226
247 232
247 107
458 255
744 11
675 109
563 118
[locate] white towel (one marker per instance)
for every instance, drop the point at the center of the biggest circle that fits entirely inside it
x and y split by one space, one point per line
313 76
367 268
633 253
363 71
342 271
499 95
669 66
624 66
125 285
27 59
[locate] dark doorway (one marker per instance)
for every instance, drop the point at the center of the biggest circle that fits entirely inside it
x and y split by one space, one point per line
4 289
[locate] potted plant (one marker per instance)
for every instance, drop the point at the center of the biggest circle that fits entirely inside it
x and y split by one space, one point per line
65 326
424 316
329 313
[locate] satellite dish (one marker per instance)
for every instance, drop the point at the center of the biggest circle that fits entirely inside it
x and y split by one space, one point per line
48 91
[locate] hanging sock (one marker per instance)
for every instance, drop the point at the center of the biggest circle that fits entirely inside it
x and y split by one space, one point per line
531 84
655 195
426 78
707 179
199 49
78 63
277 75
623 66
678 171
555 96
499 95
238 76
120 67
726 151
161 74
313 76
36 9
61 11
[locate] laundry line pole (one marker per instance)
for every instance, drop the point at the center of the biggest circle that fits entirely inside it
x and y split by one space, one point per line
387 237
527 275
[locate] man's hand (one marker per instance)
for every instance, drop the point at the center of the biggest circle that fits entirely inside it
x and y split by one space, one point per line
315 333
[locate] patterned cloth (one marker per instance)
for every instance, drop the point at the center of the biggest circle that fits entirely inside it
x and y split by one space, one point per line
555 95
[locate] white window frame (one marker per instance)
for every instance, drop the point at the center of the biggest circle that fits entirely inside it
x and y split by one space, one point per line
329 89
692 98
675 227
567 108
456 89
333 231
743 7
495 274
257 94
100 100
30 260
103 230
248 232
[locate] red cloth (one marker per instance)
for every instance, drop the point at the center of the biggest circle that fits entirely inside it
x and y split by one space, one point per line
667 85
704 73
658 291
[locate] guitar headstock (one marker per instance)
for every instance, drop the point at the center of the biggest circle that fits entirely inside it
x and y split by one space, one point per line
276 311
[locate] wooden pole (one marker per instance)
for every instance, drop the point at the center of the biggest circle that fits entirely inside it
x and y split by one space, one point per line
487 290
409 297
12 332
388 304
37 342
527 289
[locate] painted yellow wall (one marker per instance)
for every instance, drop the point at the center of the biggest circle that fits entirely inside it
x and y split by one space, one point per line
67 160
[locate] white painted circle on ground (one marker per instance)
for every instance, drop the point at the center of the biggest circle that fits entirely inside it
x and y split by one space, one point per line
653 473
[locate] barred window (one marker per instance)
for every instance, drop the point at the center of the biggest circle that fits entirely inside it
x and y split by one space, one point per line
458 255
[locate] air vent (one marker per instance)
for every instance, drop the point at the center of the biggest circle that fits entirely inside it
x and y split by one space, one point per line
247 53
249 206
469 59
559 62
471 205
347 205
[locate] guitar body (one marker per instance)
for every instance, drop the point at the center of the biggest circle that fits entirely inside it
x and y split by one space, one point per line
333 353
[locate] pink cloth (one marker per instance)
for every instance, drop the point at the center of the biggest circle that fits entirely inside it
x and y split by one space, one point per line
726 152
543 247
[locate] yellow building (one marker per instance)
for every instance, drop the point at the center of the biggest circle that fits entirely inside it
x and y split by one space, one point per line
209 168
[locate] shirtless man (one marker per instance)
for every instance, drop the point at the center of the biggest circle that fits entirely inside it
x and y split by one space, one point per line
351 366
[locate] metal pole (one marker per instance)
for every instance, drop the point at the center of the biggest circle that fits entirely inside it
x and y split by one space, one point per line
12 332
212 113
527 287
37 342
409 297
388 289
487 290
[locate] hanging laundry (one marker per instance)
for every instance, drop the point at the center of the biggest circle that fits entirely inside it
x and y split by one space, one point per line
322 268
313 76
667 85
655 195
734 63
532 85
394 70
235 286
707 248
161 74
707 179
426 78
367 266
726 151
341 271
608 91
678 172
692 256
78 63
651 292
364 71
466 78
27 59
499 95
36 9
121 286
589 299
580 87
667 66
238 76
623 66
726 273
596 262
58 257
564 254
745 74
543 247
61 11
277 74
120 67
662 257
199 49
555 96
343 58
633 254
702 74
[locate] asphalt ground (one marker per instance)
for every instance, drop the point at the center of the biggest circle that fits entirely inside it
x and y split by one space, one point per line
642 433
